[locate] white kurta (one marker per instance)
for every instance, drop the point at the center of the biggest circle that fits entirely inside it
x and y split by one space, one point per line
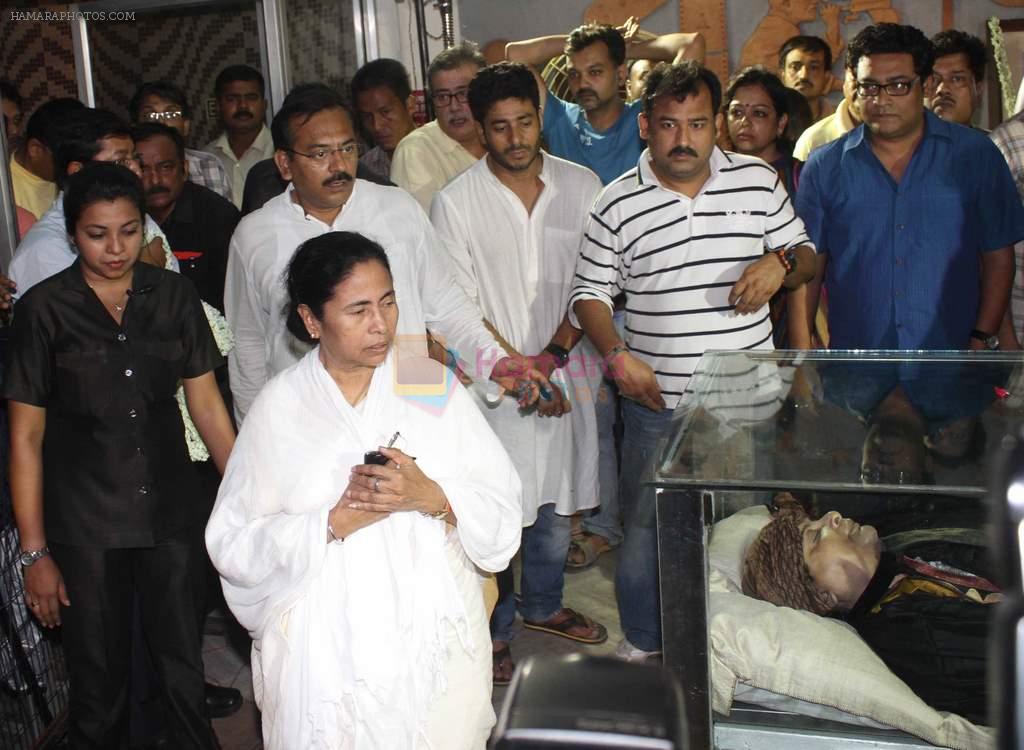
266 240
518 268
380 641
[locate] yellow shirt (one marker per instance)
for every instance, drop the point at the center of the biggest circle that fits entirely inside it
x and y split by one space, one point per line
32 193
824 131
426 160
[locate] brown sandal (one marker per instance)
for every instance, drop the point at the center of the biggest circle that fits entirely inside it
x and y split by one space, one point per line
565 621
584 550
502 667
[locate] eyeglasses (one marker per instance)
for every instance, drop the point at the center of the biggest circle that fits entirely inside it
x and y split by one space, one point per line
321 156
444 98
893 88
161 116
124 161
737 112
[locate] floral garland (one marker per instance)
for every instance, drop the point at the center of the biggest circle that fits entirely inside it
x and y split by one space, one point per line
1002 67
197 450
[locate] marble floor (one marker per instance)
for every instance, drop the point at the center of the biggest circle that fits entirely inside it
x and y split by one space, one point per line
589 591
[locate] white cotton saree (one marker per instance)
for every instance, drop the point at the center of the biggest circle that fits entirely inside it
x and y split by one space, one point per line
354 641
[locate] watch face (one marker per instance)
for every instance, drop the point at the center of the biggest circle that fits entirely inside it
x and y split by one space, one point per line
26 558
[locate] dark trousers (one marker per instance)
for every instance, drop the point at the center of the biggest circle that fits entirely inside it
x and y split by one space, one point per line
167 581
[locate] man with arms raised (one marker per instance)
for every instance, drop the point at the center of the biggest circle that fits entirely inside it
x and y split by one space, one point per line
698 241
914 217
430 156
599 130
317 152
512 224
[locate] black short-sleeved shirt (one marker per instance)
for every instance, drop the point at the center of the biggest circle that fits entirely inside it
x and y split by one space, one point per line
199 229
116 471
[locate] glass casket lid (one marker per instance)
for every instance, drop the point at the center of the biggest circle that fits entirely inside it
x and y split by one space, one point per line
883 421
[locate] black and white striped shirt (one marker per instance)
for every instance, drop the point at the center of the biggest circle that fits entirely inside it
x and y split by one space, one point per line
676 260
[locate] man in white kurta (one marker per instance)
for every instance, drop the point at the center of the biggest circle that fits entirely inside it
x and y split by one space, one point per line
265 240
512 224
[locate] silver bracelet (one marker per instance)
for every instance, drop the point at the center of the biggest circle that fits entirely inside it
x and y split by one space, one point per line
334 537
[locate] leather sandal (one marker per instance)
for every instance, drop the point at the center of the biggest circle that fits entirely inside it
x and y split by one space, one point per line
502 666
584 550
565 621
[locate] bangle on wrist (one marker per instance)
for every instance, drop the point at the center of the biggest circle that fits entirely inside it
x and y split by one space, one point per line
787 258
334 537
441 514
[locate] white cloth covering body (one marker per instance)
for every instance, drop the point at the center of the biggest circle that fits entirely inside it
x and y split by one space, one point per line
518 268
255 294
379 641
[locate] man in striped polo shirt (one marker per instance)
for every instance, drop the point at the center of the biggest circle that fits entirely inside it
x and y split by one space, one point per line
698 240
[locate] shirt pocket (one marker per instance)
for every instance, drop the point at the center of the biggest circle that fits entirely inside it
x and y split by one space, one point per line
84 381
161 364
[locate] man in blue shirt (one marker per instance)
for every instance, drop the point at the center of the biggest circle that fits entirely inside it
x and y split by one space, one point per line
599 130
914 218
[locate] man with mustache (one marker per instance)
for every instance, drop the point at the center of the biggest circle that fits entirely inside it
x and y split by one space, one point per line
599 130
954 90
197 222
805 65
245 141
165 103
511 223
431 155
317 152
698 240
914 218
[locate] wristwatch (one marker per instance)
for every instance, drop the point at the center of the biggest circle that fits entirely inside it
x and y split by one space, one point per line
560 353
991 341
28 558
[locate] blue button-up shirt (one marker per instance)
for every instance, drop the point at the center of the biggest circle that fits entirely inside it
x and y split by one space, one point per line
904 259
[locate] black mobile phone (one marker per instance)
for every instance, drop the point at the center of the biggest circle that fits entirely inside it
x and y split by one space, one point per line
375 457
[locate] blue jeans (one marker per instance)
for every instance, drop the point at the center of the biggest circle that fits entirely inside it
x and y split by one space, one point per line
636 579
606 520
542 552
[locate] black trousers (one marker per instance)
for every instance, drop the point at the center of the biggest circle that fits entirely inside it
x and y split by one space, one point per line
167 581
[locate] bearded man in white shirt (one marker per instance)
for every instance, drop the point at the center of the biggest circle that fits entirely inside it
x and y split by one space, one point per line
512 223
317 151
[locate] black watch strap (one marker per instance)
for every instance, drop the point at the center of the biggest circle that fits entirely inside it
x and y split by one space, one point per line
990 340
560 353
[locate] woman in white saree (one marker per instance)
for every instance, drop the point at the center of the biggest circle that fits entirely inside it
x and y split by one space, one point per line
359 583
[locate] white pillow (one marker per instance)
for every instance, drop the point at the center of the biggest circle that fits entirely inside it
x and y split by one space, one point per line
730 538
807 657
